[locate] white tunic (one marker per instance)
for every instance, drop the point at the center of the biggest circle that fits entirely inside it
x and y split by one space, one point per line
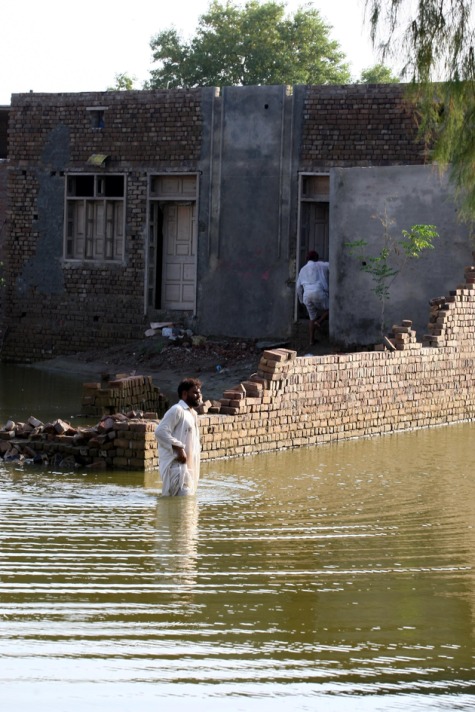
312 283
179 427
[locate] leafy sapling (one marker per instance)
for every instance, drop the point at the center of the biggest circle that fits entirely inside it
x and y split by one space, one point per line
392 258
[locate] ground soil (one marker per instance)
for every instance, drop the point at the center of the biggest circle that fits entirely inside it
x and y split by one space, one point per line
218 363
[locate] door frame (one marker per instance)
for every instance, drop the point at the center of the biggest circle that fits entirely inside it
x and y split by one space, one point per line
155 196
305 197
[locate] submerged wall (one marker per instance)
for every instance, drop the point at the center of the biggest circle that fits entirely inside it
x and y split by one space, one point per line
312 400
296 401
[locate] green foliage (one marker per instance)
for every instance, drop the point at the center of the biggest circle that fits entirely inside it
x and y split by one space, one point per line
448 115
251 45
436 40
434 37
379 74
123 82
392 258
417 239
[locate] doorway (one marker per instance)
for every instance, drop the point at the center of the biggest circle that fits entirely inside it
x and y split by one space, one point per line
314 216
314 230
172 243
314 223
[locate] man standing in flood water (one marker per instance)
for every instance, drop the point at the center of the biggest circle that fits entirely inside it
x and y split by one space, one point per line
178 440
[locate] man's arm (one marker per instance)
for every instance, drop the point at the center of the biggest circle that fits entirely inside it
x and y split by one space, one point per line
299 289
165 432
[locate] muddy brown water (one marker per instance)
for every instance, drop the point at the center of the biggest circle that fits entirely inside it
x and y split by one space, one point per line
331 578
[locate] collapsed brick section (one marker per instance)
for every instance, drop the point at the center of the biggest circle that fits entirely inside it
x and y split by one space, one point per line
117 442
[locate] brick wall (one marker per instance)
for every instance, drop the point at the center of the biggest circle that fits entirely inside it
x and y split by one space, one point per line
300 401
4 112
140 127
3 233
3 206
358 125
56 306
297 401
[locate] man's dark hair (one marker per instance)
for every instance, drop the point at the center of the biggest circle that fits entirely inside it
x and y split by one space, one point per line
187 384
312 255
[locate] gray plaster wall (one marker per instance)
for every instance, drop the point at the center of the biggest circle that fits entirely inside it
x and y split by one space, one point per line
247 213
43 271
360 198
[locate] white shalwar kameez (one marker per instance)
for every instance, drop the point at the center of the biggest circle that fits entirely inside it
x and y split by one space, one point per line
179 428
312 287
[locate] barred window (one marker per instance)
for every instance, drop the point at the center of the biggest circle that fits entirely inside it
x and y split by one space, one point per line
95 217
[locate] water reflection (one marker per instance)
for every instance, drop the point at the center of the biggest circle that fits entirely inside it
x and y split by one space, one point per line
333 578
47 395
176 544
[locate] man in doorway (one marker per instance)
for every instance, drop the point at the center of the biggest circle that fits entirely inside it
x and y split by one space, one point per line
178 440
312 290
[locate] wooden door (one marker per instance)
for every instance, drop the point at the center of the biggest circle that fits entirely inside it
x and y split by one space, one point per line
179 256
314 230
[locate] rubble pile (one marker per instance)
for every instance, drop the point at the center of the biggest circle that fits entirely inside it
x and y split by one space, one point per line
197 352
115 441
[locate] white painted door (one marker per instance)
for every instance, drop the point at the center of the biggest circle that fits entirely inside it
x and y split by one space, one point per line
179 256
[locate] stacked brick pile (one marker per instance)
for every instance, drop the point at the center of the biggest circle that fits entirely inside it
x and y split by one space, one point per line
121 394
402 338
244 397
451 319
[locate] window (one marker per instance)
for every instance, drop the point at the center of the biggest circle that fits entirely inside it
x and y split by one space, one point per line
95 213
97 116
316 187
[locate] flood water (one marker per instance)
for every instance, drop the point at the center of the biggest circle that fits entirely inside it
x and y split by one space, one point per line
336 578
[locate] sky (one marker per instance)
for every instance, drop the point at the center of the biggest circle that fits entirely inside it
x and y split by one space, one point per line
59 46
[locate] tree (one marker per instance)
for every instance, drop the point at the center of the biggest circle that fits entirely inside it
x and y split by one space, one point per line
436 40
379 74
123 82
392 257
253 45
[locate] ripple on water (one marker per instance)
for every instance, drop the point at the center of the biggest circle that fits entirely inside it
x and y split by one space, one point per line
333 573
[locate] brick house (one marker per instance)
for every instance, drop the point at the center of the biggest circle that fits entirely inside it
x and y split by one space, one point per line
199 205
4 111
